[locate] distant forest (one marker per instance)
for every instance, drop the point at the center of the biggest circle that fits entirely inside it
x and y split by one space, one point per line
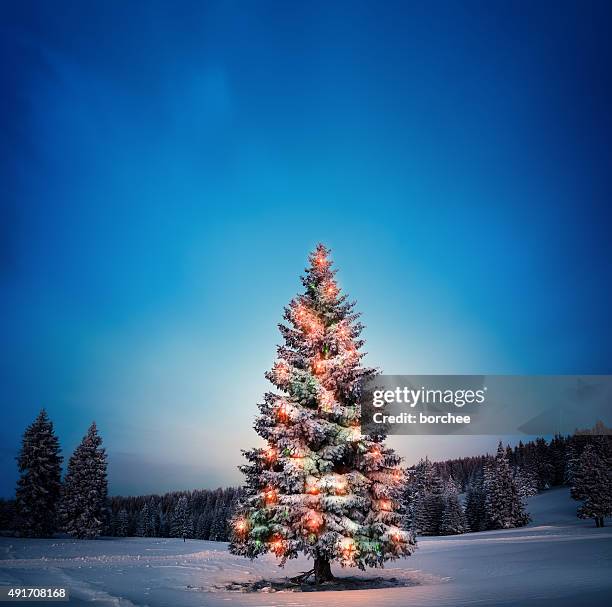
205 513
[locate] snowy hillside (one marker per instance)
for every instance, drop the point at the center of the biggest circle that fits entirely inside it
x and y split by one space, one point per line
556 560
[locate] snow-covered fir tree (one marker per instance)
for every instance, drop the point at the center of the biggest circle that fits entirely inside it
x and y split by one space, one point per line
503 504
82 508
526 482
123 522
452 521
425 498
475 510
181 525
39 484
593 484
143 528
319 486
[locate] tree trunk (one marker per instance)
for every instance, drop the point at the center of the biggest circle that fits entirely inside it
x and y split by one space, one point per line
322 570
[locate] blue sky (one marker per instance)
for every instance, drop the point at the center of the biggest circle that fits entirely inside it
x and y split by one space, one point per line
166 167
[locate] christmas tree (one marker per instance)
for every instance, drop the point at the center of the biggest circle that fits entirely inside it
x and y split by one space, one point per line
319 486
38 488
83 505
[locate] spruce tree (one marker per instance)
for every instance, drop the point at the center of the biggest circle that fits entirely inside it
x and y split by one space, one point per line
475 510
84 493
425 498
503 504
526 482
594 484
319 486
123 523
181 519
452 521
38 488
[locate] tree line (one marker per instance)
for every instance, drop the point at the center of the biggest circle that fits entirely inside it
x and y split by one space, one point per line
442 498
79 504
200 514
495 488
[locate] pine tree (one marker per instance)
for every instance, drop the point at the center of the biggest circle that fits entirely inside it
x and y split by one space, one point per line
452 521
594 485
123 522
320 487
181 519
38 488
144 522
526 482
426 498
433 506
475 510
503 504
83 504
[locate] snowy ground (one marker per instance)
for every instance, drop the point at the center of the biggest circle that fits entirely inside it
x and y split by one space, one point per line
557 560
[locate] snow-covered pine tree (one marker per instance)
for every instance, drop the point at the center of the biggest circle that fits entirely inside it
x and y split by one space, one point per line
123 523
82 508
433 506
452 521
503 504
319 486
594 484
526 482
181 525
475 511
144 522
39 484
426 498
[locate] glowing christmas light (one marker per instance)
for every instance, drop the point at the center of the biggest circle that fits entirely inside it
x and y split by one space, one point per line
311 486
282 413
331 289
318 366
240 526
270 454
339 484
277 545
270 495
314 521
348 548
385 505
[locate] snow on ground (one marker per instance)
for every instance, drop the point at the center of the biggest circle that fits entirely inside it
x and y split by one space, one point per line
556 560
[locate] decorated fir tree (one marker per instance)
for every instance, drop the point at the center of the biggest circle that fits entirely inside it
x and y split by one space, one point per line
38 488
82 508
319 486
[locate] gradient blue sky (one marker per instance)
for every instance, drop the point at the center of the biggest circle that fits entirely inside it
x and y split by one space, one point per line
166 167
